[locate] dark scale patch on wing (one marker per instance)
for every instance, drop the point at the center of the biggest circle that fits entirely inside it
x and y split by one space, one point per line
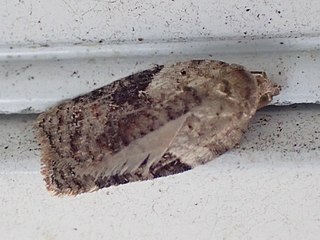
122 90
104 181
168 165
194 93
195 63
135 83
145 161
96 94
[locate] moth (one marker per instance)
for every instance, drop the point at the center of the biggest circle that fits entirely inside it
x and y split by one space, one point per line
154 123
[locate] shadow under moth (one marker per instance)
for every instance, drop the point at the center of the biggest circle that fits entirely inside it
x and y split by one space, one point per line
154 123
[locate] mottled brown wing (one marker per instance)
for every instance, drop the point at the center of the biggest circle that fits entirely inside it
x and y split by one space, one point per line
154 123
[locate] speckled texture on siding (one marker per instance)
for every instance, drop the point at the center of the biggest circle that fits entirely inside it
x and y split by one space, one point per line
138 20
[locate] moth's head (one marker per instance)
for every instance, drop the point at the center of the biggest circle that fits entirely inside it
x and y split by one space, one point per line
266 89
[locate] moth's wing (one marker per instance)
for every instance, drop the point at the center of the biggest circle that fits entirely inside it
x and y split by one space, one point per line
126 131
